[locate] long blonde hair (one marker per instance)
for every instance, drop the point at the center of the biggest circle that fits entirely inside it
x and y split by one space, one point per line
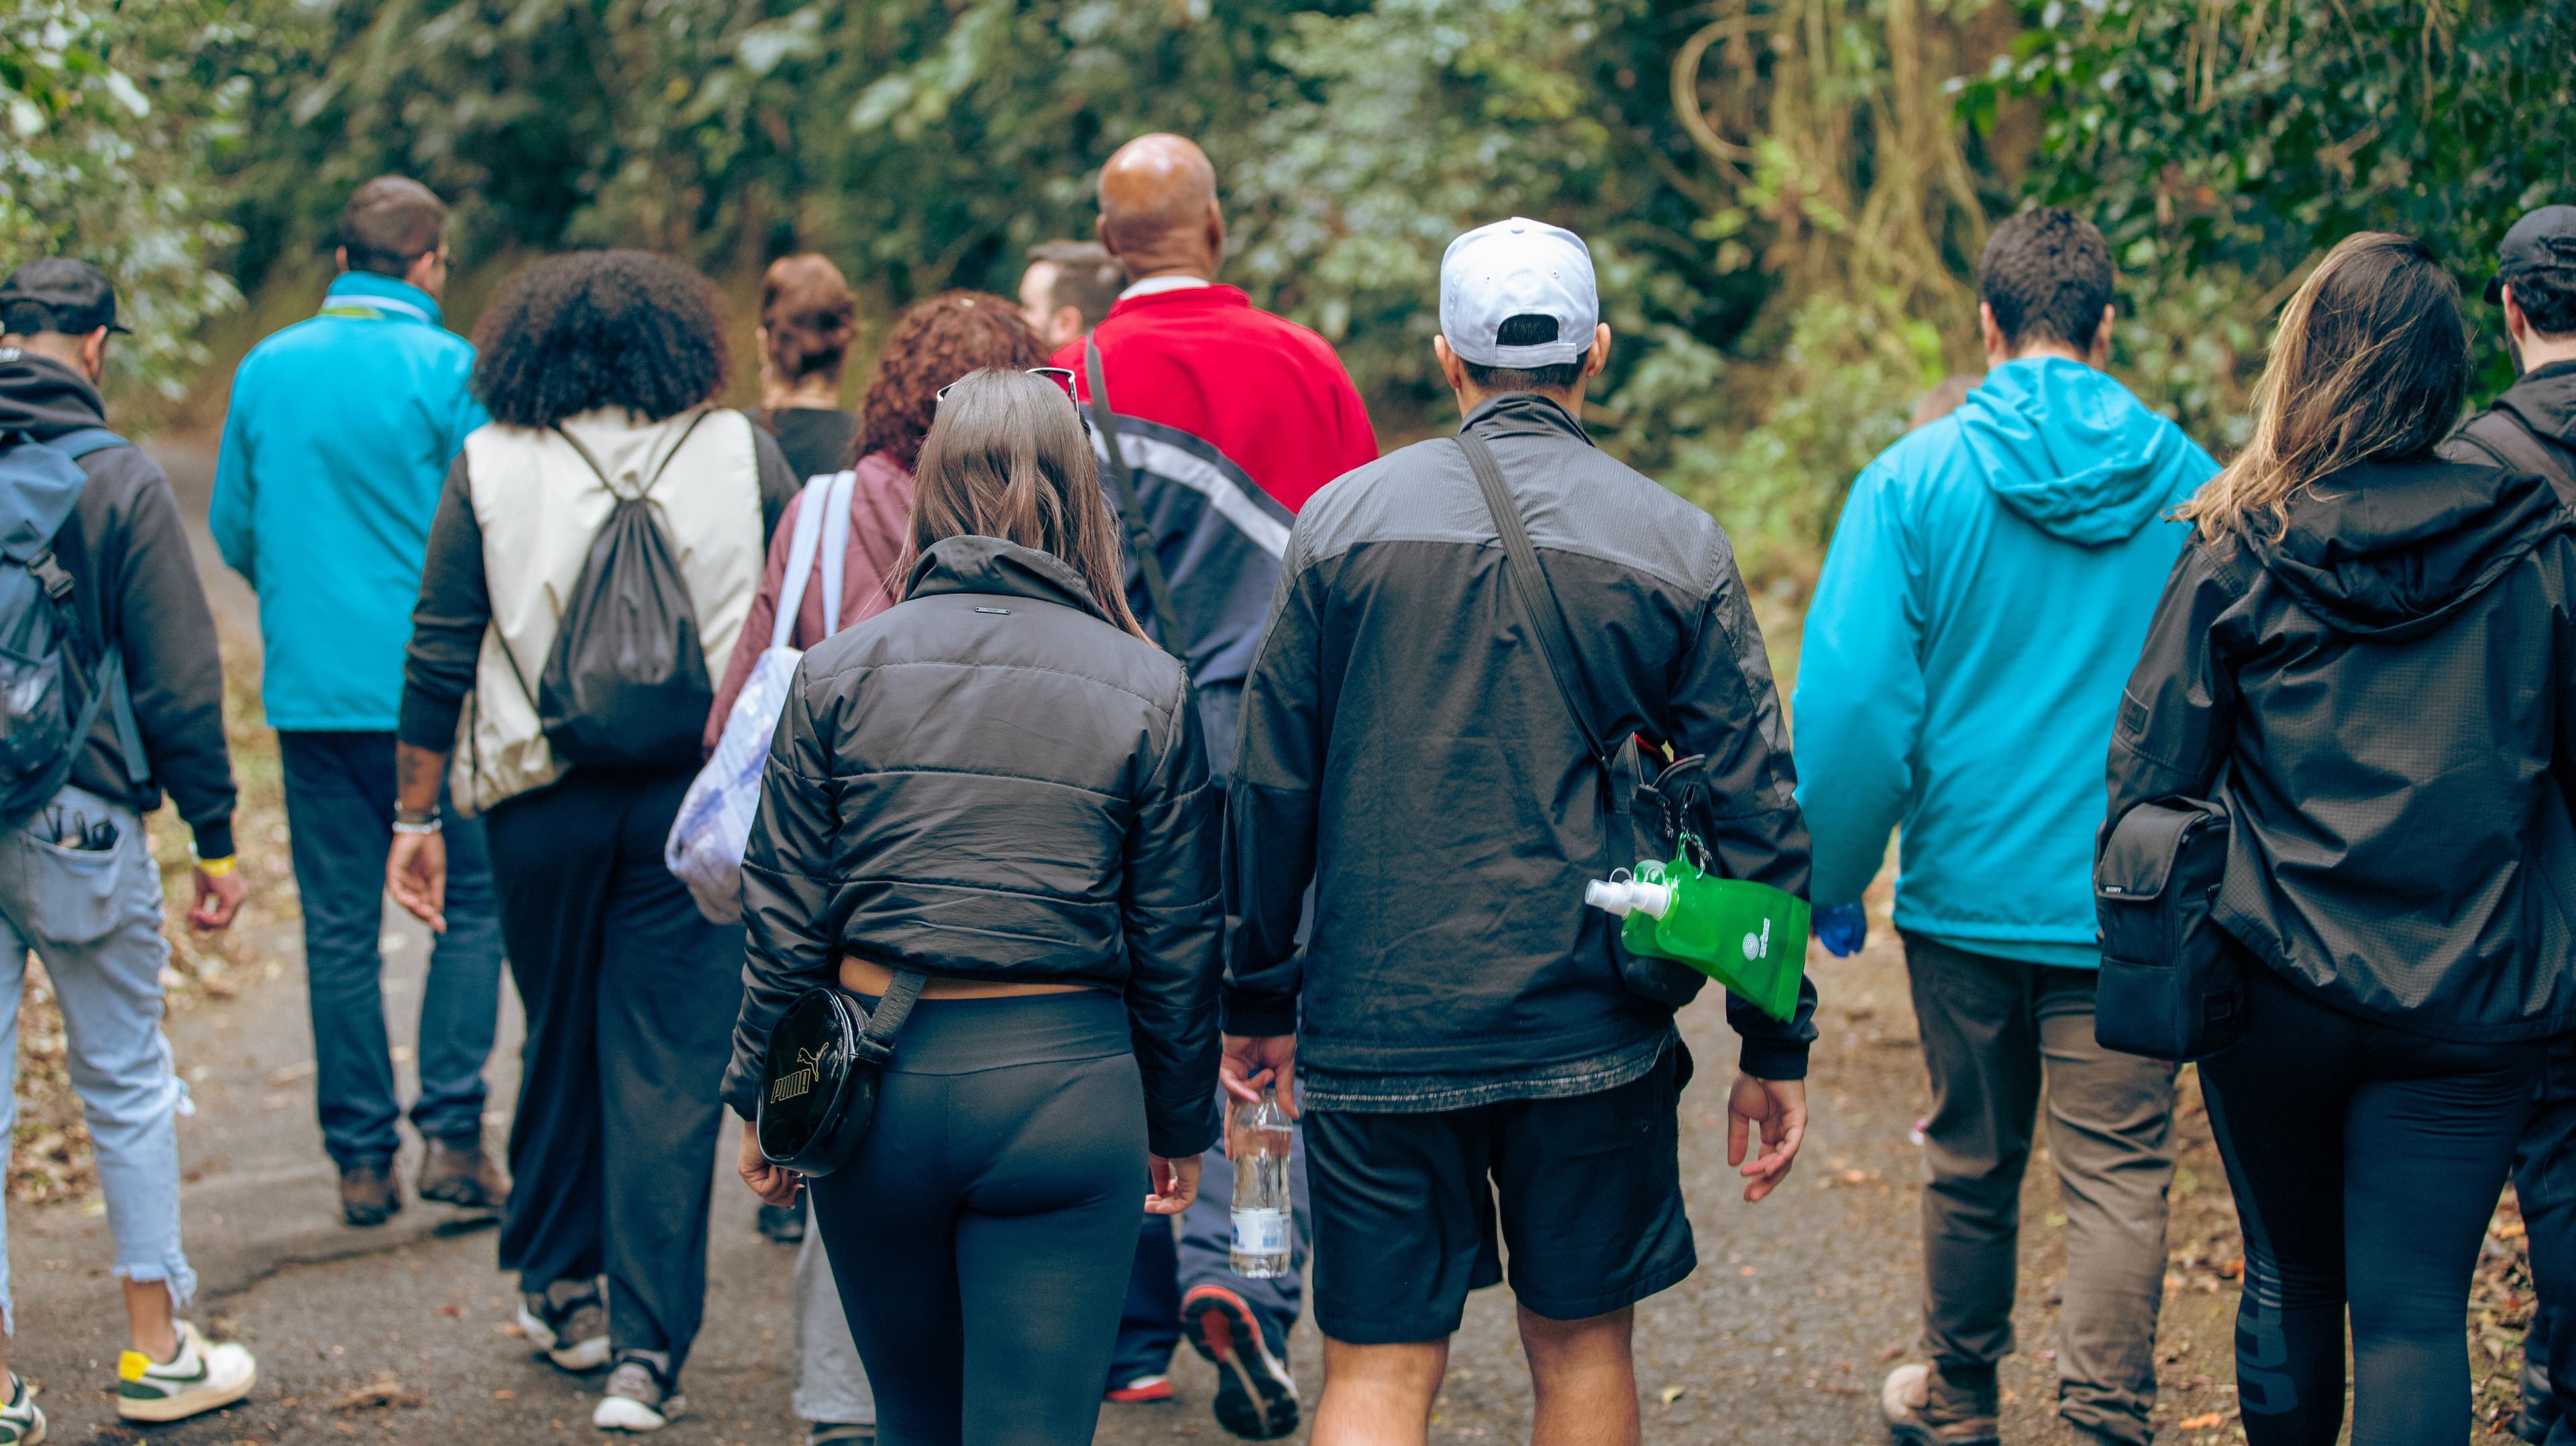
1009 457
2370 362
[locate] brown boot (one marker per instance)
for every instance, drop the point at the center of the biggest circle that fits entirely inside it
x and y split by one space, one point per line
369 1193
463 1177
1924 1410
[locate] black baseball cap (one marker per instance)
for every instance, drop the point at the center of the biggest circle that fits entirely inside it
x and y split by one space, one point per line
2545 240
65 295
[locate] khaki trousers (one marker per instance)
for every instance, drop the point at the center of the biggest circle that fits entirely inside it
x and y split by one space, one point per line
1997 1034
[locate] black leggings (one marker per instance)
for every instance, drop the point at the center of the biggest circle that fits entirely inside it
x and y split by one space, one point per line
983 1234
2366 1162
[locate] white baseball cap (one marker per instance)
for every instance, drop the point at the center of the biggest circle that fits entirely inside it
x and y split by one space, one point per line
1518 267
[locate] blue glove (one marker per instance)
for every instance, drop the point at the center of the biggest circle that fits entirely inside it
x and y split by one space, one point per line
1843 929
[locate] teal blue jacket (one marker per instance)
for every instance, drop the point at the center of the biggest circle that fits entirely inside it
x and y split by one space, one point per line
1985 598
339 437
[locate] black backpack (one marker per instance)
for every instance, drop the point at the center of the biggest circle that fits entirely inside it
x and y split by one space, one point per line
50 696
626 685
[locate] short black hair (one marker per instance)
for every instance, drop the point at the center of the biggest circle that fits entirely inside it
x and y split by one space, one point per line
2047 274
389 223
1527 329
1087 278
599 329
2548 298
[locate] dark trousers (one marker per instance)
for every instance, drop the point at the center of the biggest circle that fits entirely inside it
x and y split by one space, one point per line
340 814
2366 1163
1997 1033
630 996
1171 1263
2544 1180
980 1236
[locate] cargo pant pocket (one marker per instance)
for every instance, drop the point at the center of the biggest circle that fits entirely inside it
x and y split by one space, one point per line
66 895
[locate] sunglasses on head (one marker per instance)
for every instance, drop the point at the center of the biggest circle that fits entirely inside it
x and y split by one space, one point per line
1061 376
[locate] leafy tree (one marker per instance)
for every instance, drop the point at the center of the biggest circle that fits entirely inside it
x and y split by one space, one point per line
112 114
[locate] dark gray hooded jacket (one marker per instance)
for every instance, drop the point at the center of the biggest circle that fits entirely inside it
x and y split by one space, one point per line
2385 699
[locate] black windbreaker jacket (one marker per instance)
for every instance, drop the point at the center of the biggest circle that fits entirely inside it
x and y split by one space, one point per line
2385 699
990 780
1403 746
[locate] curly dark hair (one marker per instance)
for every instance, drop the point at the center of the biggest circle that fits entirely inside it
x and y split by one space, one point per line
932 344
599 329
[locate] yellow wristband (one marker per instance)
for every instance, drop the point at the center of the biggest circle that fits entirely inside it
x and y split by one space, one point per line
217 868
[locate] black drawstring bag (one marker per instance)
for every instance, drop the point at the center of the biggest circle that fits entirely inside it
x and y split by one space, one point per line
2173 982
625 685
818 1078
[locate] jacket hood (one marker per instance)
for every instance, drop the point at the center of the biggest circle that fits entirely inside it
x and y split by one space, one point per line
44 398
2393 548
993 565
2070 449
2545 400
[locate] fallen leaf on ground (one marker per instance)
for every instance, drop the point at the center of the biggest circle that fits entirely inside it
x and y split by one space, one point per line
505 1395
384 1393
1671 1394
2210 1422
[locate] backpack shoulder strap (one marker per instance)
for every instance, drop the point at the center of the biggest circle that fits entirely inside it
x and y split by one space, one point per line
77 445
1131 509
2504 436
801 543
591 460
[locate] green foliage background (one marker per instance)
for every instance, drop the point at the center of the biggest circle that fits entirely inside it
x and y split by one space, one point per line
1786 196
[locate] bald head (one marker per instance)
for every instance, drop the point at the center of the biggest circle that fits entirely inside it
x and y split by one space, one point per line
1158 209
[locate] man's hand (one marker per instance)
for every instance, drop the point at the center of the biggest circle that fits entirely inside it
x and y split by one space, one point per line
1253 1061
1779 1107
1175 1182
219 897
774 1184
416 875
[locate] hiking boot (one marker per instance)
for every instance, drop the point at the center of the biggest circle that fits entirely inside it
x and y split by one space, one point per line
828 1433
202 1377
21 1424
784 1223
1924 1410
1141 1390
567 1322
462 1176
637 1400
369 1193
1256 1398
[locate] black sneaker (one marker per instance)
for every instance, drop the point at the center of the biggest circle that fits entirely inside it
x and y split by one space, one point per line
637 1399
1256 1398
784 1223
568 1323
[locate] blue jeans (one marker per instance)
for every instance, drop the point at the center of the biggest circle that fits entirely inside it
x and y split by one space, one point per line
1169 1266
94 916
340 809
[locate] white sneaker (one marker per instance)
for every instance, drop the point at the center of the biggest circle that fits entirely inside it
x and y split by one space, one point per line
21 1424
201 1378
636 1401
574 1335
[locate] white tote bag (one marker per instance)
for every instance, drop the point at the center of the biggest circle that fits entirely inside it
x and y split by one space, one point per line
707 839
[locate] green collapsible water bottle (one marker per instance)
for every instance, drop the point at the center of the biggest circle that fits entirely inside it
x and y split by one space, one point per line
1750 937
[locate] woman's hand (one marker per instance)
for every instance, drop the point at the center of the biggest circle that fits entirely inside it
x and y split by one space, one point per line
1175 1182
416 875
776 1184
1778 1109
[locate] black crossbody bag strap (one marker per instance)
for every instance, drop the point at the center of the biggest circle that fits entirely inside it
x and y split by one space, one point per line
1131 509
1547 621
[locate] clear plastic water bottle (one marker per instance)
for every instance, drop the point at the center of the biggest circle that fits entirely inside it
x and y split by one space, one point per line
1261 1211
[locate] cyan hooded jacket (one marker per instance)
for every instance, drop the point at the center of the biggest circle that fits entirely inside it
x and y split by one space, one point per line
335 448
1984 599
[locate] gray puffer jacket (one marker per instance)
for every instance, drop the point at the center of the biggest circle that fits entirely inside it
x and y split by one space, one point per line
992 781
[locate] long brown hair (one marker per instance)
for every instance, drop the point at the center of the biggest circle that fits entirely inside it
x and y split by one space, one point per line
2370 362
1009 457
806 307
932 344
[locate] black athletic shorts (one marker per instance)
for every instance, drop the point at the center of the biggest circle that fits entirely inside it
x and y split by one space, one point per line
1590 1195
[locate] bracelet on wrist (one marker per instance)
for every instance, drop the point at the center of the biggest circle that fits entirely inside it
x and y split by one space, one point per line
427 825
428 814
216 868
